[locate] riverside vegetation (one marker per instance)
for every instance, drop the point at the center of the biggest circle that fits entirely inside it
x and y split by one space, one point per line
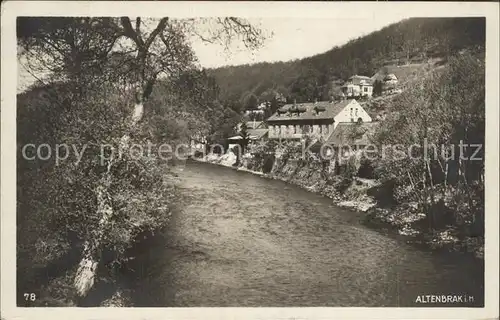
438 201
102 81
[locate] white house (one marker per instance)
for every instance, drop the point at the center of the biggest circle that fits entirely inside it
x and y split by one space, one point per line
358 86
352 112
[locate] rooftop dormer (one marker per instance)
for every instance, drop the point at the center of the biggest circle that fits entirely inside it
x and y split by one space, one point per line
319 109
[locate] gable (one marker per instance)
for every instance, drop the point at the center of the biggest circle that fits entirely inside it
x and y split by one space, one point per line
345 114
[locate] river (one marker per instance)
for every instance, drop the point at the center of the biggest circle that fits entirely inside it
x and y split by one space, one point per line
240 240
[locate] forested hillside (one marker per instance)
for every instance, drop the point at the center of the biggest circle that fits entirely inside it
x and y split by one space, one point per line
412 41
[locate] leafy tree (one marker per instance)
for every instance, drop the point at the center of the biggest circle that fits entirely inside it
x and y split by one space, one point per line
245 136
250 101
377 88
437 114
102 72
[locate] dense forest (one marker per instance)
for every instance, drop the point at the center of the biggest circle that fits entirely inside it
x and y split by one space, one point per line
410 41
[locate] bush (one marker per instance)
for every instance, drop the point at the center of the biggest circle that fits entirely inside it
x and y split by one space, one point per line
366 169
57 208
268 164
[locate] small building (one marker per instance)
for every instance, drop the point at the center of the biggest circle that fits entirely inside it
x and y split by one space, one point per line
358 86
256 131
316 119
390 83
260 110
251 125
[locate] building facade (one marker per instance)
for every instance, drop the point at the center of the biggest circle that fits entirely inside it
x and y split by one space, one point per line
358 86
318 119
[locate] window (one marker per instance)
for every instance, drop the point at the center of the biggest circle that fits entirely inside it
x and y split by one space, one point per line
356 111
365 89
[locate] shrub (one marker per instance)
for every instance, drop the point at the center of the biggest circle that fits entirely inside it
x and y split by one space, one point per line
268 163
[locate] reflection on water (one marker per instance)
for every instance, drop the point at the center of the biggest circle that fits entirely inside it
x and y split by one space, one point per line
241 240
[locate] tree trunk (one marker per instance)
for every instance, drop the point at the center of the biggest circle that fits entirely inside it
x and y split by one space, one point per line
138 112
446 168
85 274
424 198
87 268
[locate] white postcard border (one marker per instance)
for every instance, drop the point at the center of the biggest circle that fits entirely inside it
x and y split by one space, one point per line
12 9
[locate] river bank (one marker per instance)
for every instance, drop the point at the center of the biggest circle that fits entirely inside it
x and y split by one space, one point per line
403 222
360 194
238 240
53 282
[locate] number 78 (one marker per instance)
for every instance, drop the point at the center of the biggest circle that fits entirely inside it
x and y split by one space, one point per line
30 296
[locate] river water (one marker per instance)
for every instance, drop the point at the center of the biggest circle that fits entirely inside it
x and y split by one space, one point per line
240 240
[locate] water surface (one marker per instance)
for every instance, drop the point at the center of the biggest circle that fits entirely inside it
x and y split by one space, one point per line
240 240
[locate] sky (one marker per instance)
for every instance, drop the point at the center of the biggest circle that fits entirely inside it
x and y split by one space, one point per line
293 38
287 39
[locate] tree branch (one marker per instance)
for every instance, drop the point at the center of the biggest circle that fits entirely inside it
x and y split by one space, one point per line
129 31
138 26
159 28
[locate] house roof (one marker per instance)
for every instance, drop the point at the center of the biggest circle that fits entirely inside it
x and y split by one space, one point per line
307 111
402 73
257 133
352 133
358 80
253 124
252 134
390 77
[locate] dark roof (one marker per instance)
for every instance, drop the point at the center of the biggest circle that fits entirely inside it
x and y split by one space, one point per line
307 111
252 134
352 133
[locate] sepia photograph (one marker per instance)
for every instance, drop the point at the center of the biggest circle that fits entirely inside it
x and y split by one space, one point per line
250 161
